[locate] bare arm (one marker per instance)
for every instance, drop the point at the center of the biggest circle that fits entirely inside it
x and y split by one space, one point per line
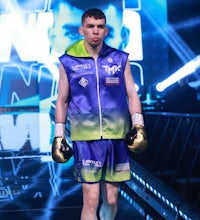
136 138
133 98
61 151
63 93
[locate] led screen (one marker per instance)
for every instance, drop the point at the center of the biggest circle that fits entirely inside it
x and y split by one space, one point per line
34 34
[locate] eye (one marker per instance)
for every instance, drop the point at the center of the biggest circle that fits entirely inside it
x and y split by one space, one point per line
73 35
90 26
101 26
71 32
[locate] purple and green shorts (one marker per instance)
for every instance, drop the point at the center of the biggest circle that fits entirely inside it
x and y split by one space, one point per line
101 160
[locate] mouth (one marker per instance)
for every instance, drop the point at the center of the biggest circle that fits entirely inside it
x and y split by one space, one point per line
95 39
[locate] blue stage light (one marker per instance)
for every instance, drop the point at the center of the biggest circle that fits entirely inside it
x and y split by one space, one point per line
184 71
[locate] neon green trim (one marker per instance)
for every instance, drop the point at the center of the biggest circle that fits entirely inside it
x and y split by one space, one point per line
77 49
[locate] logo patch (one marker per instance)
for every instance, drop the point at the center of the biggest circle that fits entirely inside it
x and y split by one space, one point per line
112 81
91 163
110 60
83 82
122 166
81 66
112 70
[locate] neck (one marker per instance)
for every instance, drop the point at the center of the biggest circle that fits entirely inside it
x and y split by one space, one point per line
93 50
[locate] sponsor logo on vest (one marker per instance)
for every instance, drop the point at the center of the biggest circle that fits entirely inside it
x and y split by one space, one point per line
110 60
81 66
83 82
112 80
113 69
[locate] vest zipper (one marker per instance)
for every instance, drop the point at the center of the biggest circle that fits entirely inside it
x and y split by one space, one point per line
98 98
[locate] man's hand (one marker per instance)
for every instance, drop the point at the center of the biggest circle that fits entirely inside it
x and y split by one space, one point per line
61 151
136 139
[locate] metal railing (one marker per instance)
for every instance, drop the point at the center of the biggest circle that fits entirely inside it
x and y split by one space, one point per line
173 154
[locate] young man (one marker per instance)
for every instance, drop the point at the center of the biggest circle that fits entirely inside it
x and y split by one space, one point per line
66 21
94 86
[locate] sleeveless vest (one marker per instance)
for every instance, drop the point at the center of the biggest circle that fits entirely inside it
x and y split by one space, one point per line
98 102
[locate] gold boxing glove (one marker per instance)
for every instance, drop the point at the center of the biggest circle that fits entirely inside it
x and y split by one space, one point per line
61 151
136 139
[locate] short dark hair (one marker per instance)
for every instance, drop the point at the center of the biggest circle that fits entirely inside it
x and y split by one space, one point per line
93 12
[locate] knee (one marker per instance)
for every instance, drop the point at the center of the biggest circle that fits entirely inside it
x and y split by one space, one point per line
91 201
112 200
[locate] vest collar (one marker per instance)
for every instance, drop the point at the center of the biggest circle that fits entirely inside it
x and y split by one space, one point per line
77 49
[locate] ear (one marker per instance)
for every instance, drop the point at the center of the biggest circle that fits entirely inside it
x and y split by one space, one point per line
52 38
125 35
106 31
81 31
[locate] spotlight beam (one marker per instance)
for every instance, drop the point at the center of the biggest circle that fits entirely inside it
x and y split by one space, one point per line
184 71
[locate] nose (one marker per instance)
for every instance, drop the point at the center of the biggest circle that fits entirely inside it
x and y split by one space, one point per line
95 30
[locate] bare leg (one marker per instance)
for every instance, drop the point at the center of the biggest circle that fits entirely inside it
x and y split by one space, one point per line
109 207
91 194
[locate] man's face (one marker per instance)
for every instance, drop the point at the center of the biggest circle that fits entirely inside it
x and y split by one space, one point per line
67 21
94 31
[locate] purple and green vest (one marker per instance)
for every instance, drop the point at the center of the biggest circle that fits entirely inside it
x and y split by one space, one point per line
98 101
